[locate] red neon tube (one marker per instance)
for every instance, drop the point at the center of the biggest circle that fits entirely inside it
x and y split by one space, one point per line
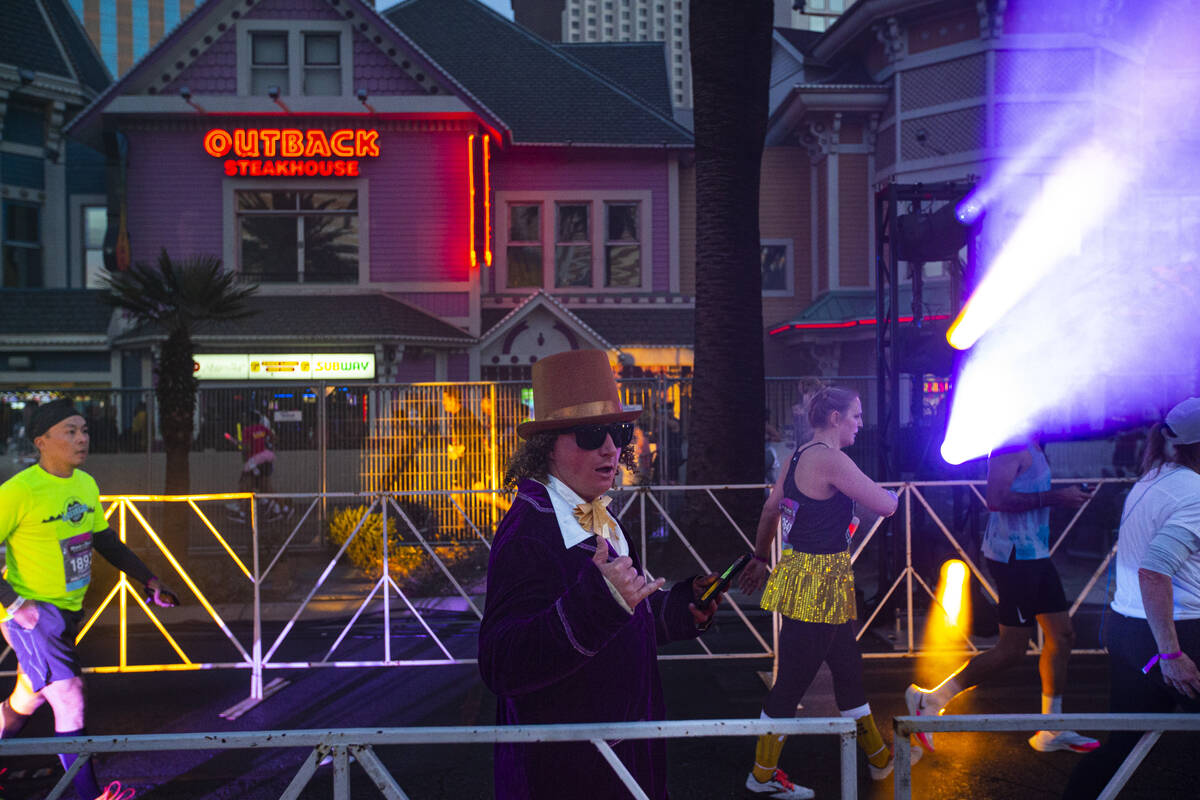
487 201
471 195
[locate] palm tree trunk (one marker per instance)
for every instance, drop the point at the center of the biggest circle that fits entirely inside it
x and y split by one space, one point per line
731 49
176 393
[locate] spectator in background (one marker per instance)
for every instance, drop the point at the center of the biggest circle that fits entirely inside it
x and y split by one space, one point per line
1153 635
258 465
137 428
771 458
801 428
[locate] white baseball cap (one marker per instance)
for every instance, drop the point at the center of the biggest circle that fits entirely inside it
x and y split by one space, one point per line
1183 422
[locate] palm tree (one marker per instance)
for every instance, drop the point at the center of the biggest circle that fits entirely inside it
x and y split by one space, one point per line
177 297
731 61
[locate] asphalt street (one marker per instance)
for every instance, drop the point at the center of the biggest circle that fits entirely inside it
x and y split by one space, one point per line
966 765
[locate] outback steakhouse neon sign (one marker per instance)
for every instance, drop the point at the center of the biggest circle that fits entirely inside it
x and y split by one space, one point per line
291 152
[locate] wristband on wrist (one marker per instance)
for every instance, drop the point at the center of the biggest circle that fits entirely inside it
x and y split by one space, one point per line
14 605
1160 657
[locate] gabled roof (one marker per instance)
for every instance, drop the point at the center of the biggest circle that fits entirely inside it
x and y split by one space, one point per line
212 20
539 299
637 67
800 40
615 326
345 317
53 311
656 327
544 94
85 59
27 41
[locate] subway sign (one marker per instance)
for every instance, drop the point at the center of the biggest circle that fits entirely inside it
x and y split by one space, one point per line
291 152
283 366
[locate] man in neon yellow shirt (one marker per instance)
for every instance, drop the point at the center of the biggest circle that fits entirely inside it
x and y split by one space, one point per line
50 521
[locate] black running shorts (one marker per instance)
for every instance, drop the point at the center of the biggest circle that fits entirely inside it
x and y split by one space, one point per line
1026 589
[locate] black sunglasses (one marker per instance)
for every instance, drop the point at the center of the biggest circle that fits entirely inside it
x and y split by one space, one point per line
591 437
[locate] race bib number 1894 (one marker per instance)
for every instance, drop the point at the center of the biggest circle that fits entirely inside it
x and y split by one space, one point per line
77 560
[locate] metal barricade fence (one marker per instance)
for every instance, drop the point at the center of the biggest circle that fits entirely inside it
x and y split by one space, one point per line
437 436
1154 725
279 571
359 743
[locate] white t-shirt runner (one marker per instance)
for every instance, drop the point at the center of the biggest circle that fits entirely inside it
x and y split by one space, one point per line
1170 496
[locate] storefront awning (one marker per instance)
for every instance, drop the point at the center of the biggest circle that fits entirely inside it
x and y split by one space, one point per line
289 320
842 309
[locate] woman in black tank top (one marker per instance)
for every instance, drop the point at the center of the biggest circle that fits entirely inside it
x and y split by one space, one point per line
812 586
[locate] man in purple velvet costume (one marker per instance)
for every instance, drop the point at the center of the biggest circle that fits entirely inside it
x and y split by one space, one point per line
571 626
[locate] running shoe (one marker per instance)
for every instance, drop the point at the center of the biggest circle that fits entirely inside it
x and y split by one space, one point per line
879 773
114 792
915 699
779 787
1048 741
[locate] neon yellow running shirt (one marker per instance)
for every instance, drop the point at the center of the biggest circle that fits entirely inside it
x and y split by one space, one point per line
46 525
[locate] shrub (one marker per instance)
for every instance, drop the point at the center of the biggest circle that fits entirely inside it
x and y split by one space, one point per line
408 562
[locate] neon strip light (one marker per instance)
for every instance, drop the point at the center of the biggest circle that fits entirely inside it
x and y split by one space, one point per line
850 323
487 201
471 195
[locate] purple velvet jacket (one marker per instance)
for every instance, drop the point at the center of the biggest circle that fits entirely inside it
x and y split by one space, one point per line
556 647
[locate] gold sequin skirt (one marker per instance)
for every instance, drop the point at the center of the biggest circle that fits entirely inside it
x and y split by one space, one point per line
812 587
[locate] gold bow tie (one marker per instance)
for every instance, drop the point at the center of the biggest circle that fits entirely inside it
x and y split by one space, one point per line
594 517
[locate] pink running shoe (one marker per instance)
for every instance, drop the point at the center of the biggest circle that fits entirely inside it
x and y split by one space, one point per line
114 792
915 699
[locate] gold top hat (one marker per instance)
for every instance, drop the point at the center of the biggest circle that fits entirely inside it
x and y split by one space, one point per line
575 388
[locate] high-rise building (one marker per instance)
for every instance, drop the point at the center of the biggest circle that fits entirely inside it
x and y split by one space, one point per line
809 15
618 21
124 30
656 21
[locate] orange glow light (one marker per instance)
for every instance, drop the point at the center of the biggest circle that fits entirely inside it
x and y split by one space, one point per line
471 194
954 580
487 201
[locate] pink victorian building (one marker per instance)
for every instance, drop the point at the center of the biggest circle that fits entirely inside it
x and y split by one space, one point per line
430 193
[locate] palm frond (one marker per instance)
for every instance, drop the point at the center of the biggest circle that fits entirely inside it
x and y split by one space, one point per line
179 295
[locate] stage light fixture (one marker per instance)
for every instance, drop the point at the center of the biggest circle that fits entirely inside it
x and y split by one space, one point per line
934 236
969 209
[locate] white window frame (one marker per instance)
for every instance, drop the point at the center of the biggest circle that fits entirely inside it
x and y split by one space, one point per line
295 29
79 202
789 270
598 230
232 242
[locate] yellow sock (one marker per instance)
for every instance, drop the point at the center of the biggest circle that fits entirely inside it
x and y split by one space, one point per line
870 742
766 756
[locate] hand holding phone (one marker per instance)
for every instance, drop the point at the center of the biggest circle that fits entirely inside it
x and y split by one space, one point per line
722 583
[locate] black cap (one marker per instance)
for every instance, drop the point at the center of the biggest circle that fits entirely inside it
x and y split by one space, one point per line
48 415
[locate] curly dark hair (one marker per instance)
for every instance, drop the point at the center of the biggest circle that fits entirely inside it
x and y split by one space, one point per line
532 459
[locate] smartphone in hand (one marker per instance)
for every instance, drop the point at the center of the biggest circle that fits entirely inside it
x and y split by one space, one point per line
722 583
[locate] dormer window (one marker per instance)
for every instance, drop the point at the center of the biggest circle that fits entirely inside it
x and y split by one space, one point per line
322 63
269 62
301 58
